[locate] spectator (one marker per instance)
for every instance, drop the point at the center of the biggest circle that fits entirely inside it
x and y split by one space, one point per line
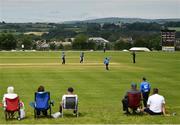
125 99
41 89
70 91
155 104
145 90
10 95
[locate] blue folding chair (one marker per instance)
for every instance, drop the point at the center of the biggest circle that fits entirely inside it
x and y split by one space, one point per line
42 104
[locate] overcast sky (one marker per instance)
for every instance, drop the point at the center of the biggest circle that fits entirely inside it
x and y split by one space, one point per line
66 10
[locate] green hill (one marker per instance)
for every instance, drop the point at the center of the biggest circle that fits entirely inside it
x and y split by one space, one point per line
124 20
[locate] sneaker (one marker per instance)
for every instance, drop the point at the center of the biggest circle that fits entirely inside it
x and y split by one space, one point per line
138 110
75 114
56 115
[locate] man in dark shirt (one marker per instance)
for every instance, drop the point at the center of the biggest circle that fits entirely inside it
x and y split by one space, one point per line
63 58
104 49
81 57
125 99
134 56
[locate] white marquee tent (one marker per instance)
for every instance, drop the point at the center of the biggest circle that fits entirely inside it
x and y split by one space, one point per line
140 49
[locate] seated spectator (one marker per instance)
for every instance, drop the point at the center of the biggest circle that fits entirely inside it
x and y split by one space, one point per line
136 99
155 104
10 95
70 91
41 89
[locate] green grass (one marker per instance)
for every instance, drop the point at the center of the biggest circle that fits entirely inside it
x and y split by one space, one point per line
100 91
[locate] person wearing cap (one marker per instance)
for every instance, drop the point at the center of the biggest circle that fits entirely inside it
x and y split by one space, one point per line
145 90
155 104
133 90
10 95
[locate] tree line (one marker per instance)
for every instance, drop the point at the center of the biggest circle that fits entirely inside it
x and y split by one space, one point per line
81 42
142 34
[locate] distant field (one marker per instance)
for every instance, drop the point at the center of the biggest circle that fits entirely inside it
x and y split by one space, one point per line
35 33
100 91
11 32
175 28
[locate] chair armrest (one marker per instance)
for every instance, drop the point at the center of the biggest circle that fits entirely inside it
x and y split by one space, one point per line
32 104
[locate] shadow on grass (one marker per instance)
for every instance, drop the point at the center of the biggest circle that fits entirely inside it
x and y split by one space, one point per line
134 114
15 119
70 115
65 115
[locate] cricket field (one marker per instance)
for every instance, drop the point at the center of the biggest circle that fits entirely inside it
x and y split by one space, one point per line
100 92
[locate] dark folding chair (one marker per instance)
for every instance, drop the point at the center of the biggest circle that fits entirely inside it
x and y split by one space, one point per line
12 108
134 100
42 104
70 103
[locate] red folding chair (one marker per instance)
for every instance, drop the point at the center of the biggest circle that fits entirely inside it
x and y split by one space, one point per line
12 108
134 100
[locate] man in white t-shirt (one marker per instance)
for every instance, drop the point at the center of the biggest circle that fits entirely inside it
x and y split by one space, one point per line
155 104
70 93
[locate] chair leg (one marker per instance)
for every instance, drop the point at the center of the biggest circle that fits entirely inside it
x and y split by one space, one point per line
6 115
35 113
62 113
50 112
77 114
19 115
12 114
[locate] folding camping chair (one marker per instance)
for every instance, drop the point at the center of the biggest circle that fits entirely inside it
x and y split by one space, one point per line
42 104
12 108
134 101
70 102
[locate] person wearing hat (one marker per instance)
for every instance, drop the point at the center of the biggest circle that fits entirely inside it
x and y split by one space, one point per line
145 90
133 90
10 95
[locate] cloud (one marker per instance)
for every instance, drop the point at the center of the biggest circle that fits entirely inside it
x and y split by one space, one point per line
60 10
